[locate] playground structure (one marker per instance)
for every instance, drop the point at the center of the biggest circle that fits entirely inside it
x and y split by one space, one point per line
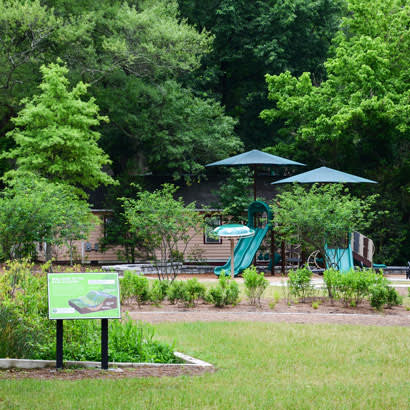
259 217
358 250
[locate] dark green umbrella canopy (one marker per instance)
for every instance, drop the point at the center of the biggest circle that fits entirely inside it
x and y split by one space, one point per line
324 174
254 157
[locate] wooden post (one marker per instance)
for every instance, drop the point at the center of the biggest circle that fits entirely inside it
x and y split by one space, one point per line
283 257
272 251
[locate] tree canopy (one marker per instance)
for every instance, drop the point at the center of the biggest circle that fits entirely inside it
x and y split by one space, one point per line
55 134
358 118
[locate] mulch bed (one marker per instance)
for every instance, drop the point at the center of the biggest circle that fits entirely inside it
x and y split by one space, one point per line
363 314
79 374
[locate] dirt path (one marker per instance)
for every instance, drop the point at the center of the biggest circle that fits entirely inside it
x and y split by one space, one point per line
280 317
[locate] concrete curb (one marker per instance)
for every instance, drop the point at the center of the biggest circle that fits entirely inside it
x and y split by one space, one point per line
41 364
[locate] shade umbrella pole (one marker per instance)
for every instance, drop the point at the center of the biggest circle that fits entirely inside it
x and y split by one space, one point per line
254 182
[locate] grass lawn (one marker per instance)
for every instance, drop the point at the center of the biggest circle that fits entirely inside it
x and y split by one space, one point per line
261 366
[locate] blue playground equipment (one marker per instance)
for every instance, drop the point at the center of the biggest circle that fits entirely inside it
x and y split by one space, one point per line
339 258
246 248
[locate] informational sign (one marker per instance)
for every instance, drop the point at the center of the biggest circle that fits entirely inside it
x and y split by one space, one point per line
83 296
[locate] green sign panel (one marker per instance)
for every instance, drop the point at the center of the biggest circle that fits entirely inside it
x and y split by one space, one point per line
83 296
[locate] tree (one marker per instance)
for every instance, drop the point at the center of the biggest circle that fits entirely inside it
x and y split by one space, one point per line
54 134
165 225
135 55
234 194
358 119
33 210
253 38
320 215
167 130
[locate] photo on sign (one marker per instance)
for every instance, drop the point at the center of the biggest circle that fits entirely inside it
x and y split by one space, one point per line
94 301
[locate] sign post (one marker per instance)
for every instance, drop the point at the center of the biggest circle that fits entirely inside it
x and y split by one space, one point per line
83 296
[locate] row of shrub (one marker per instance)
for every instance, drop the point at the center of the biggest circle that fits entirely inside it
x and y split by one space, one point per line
26 331
351 287
135 288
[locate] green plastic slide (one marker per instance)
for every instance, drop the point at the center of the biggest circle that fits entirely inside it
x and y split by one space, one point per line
245 250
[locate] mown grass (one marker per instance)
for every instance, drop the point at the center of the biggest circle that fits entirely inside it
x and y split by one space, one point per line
260 366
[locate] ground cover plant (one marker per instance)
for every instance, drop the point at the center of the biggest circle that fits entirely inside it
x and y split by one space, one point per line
26 331
260 366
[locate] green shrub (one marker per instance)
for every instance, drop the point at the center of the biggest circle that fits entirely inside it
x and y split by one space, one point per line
17 334
393 298
378 295
158 291
331 277
175 292
255 285
299 282
226 292
193 291
26 331
134 287
126 287
352 286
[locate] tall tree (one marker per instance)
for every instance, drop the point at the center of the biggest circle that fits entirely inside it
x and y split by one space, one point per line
358 119
55 135
128 51
253 38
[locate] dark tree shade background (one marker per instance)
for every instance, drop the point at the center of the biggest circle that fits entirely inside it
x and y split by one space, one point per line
183 83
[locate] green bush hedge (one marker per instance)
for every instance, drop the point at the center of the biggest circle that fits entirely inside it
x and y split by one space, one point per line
354 286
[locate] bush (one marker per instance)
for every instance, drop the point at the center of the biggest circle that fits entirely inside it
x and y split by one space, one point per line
299 282
158 291
378 295
134 287
393 298
331 277
17 334
255 285
175 291
352 286
226 292
193 291
26 331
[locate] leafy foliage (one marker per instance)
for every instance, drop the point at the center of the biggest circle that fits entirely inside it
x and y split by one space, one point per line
134 287
358 118
234 195
299 282
355 285
253 38
54 135
319 215
34 210
255 284
165 224
26 331
226 292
